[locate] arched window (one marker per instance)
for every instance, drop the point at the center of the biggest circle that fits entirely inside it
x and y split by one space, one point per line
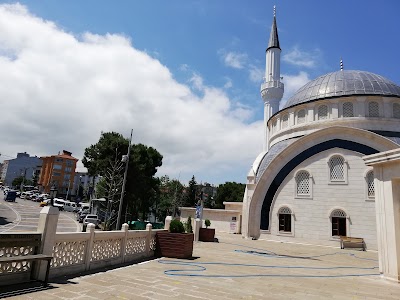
301 116
322 112
285 219
373 109
337 168
348 110
303 187
285 121
396 110
338 218
370 185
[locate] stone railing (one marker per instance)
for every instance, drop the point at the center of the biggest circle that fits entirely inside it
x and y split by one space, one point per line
77 252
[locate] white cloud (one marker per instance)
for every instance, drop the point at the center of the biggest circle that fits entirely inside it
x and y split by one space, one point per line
233 59
59 91
256 74
301 58
292 84
228 84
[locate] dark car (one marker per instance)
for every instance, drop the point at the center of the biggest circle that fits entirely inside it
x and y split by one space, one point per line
10 196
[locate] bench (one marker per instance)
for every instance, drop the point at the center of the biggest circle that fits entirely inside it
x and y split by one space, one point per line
351 242
20 248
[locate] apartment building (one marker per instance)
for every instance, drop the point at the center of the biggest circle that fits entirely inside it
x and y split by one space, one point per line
58 171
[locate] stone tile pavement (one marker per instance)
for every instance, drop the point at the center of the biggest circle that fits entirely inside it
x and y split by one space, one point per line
235 268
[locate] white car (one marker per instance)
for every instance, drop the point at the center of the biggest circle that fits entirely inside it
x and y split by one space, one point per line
91 219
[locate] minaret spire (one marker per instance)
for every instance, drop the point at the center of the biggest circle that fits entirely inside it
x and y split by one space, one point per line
273 38
272 87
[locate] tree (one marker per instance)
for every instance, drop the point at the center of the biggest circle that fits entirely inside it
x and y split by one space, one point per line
141 185
229 192
18 181
190 199
170 197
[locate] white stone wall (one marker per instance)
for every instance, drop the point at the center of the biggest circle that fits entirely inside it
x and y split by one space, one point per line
312 216
220 218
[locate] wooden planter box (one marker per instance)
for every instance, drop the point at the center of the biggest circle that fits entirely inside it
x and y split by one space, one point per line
174 245
206 234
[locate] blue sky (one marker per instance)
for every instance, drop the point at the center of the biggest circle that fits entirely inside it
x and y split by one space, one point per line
201 51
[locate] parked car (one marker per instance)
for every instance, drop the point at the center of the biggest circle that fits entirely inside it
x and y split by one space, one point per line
91 219
70 206
59 203
81 216
45 202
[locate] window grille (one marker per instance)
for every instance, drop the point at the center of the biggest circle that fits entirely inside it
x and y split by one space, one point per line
301 116
322 112
338 213
336 166
396 110
370 184
303 183
285 210
373 109
348 111
285 121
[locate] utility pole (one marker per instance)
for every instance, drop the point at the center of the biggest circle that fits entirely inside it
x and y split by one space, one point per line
125 159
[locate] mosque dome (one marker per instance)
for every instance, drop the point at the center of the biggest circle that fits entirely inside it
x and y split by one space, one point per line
344 83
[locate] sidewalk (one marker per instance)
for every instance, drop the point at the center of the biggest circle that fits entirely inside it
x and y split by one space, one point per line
236 268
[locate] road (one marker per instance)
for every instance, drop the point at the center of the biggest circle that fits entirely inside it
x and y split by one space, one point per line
23 215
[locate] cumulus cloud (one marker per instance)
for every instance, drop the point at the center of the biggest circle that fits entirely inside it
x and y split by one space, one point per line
256 74
60 90
233 59
292 84
301 58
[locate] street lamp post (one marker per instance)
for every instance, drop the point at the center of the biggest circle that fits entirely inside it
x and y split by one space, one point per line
53 194
125 159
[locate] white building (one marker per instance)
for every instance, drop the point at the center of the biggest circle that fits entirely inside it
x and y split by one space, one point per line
311 182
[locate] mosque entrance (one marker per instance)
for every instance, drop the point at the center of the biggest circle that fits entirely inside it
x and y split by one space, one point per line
338 226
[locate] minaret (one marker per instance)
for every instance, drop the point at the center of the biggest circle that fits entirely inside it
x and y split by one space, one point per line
272 87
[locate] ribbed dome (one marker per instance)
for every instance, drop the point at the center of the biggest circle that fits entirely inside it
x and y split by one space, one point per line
344 83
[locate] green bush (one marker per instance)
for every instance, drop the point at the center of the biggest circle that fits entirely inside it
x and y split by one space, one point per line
176 226
207 222
188 225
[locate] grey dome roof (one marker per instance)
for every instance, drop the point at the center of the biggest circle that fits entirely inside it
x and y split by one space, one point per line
344 83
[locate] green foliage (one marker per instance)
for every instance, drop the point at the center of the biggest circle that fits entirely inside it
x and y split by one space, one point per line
170 197
18 180
229 192
176 226
207 222
104 158
190 199
188 225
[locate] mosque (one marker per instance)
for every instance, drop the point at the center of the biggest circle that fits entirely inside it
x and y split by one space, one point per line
310 182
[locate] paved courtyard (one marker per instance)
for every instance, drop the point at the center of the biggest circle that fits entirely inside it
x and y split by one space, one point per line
235 268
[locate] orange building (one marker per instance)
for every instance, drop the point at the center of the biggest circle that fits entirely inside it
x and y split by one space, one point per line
58 170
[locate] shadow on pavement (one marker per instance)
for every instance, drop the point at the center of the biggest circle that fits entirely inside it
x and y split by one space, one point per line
3 221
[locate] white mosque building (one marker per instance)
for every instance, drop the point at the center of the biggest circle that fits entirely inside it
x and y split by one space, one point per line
310 182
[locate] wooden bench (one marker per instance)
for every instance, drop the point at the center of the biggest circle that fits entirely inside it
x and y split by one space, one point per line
19 248
351 242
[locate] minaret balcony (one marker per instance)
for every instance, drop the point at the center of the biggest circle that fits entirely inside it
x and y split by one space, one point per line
272 84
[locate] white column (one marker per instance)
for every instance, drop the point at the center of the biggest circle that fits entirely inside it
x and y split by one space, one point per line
197 226
168 220
267 111
387 206
48 220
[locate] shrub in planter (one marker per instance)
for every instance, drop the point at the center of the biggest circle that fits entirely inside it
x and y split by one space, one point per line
188 225
207 234
175 243
176 226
